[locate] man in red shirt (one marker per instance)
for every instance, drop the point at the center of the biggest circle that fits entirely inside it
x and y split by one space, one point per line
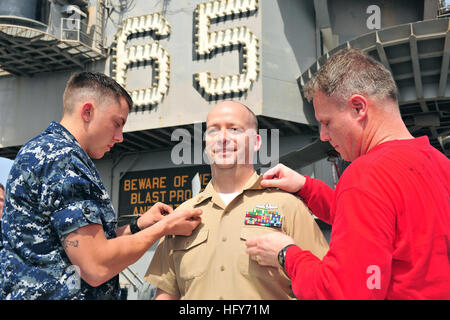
390 211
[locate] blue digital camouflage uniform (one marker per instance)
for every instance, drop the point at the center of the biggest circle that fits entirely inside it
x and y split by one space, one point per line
52 190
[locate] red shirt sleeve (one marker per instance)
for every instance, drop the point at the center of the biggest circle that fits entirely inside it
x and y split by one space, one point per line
358 263
318 197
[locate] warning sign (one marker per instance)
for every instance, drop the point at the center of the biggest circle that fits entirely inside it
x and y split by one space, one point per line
140 190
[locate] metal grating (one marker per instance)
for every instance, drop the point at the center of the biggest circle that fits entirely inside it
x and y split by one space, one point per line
160 139
25 51
418 56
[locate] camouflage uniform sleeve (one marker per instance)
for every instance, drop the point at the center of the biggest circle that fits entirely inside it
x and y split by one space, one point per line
69 196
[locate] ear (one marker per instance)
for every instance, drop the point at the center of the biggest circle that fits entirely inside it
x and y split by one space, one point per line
87 112
258 142
359 105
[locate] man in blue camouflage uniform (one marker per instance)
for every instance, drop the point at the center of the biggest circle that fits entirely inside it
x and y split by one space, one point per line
54 175
59 226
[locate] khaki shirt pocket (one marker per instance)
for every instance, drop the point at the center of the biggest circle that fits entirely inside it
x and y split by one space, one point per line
251 268
189 253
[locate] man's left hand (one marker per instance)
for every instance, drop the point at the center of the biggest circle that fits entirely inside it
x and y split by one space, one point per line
154 214
265 249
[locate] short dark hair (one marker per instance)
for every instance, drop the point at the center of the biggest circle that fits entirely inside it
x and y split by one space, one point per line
352 71
2 187
99 83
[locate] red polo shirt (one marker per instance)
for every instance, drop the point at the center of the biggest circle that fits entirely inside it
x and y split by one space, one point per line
390 216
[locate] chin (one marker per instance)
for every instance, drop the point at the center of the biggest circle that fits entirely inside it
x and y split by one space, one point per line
96 155
225 166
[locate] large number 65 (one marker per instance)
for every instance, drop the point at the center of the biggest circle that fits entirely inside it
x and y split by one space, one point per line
140 53
209 41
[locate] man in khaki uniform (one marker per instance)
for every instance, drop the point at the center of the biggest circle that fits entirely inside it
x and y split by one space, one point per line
212 262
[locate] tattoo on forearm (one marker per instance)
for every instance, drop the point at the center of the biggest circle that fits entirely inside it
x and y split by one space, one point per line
67 243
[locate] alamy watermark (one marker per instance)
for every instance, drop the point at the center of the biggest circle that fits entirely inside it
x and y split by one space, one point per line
374 20
73 281
374 280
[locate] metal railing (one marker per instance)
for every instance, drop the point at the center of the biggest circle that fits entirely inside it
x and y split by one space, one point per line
73 29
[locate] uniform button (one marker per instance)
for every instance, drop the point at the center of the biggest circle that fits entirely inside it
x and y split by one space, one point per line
224 239
222 268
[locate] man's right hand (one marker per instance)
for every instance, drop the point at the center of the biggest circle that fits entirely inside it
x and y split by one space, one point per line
284 178
181 222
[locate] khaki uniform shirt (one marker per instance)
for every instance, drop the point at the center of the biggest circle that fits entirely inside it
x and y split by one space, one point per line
212 262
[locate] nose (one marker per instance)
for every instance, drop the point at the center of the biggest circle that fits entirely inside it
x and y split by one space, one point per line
223 135
118 137
324 136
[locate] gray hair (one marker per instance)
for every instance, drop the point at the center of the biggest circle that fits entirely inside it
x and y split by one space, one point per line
352 71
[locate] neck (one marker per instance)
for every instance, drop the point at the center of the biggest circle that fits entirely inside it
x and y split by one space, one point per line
229 180
74 129
387 126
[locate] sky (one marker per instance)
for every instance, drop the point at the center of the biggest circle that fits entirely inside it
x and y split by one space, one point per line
5 166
